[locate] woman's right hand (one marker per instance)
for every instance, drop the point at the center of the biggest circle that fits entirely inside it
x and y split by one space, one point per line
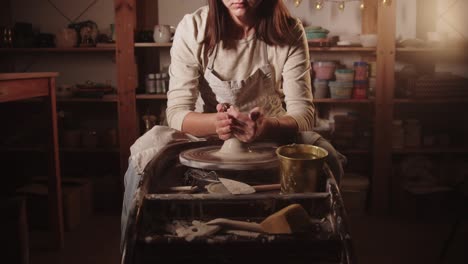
223 122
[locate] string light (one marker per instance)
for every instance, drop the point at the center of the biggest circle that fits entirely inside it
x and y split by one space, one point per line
341 3
387 2
318 5
341 6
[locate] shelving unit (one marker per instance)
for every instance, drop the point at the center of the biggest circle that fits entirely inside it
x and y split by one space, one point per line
437 115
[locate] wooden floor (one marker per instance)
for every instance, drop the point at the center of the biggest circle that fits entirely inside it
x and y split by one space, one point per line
381 240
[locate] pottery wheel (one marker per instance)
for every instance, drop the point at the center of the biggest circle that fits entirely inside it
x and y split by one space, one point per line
232 155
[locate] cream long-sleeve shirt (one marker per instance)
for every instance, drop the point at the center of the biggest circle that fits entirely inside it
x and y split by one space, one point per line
188 63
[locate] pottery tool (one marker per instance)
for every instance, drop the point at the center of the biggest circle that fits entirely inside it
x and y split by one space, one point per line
197 230
291 219
228 186
236 187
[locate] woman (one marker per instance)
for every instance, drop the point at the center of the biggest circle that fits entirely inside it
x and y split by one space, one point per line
246 53
243 53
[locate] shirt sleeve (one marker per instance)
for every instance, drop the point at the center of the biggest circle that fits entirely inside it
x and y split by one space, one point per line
185 71
296 82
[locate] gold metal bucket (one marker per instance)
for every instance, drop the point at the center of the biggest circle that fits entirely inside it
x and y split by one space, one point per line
300 166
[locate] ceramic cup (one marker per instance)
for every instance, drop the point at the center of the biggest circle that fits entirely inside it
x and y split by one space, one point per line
162 33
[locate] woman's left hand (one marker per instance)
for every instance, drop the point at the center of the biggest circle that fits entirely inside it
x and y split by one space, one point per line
246 126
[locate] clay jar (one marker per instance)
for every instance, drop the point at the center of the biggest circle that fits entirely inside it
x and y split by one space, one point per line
162 33
66 38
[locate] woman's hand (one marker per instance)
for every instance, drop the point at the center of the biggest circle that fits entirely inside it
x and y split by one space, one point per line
246 126
223 122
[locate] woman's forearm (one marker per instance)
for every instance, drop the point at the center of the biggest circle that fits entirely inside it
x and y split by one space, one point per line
199 124
279 129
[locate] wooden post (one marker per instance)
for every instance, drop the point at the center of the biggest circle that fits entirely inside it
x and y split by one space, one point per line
426 17
55 182
386 26
369 17
125 19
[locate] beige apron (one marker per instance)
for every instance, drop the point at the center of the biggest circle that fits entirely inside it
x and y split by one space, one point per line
257 90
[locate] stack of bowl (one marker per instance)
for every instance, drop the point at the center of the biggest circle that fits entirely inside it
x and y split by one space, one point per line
316 34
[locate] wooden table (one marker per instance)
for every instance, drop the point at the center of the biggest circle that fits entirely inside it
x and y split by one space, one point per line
19 86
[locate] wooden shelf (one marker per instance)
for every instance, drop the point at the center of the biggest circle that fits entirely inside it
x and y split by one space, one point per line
343 101
56 50
430 101
430 50
342 49
151 97
431 150
153 45
105 98
90 150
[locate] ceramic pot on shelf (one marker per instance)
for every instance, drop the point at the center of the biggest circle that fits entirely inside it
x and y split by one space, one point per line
66 38
162 33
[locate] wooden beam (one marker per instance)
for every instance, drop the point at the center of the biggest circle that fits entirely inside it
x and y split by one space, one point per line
125 20
369 17
386 26
426 17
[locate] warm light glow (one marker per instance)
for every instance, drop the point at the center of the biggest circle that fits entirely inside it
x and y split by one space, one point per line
341 6
362 6
387 2
318 5
297 2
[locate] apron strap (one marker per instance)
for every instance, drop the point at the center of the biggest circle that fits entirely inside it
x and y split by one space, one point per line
212 57
265 52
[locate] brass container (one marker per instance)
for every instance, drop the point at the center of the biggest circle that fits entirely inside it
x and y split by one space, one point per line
300 166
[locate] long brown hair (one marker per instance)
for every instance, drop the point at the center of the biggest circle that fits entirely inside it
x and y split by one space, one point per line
275 25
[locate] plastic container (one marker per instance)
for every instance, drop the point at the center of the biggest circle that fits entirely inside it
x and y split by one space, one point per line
340 90
398 134
344 75
360 89
324 70
354 189
361 71
321 89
